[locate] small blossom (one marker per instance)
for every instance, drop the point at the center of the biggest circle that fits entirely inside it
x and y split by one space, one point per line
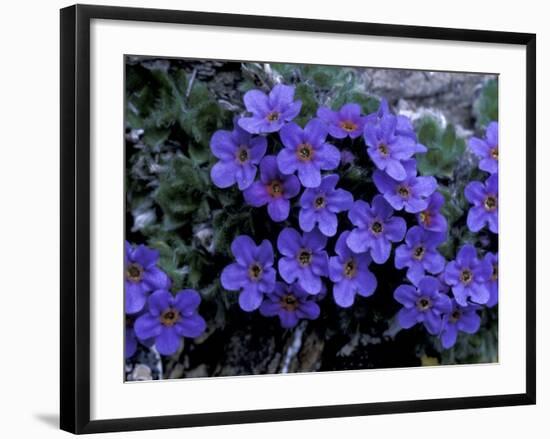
291 304
404 126
424 304
375 228
239 154
387 149
419 253
304 259
411 193
431 217
484 197
306 151
350 273
345 122
141 276
170 318
274 189
252 274
463 319
130 338
492 258
487 149
320 206
269 112
468 276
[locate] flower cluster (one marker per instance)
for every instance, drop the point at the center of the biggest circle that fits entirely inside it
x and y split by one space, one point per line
155 316
332 241
449 304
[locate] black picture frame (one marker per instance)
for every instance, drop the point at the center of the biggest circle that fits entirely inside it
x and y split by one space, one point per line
75 217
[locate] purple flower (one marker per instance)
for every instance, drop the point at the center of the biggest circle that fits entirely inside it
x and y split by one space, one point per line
424 304
375 228
492 258
320 205
141 276
484 197
404 126
269 112
273 189
305 151
431 218
487 149
342 123
239 153
252 274
169 318
411 193
303 258
468 276
387 149
464 319
419 253
291 303
350 274
130 339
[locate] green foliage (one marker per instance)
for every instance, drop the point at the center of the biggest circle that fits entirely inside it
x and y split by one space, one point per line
486 106
445 149
181 193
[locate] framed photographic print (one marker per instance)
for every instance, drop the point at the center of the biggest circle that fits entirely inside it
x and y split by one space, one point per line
304 218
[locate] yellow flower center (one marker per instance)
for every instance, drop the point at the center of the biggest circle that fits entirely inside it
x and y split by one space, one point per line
254 271
134 272
170 317
348 125
305 152
242 154
424 303
304 257
490 203
376 227
275 189
350 268
289 302
273 116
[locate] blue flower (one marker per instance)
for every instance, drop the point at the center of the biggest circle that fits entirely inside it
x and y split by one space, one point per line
431 218
350 273
410 193
375 228
303 258
468 276
306 151
320 206
419 253
345 122
269 112
170 318
424 304
484 197
487 149
460 318
239 154
291 304
252 274
274 189
141 276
